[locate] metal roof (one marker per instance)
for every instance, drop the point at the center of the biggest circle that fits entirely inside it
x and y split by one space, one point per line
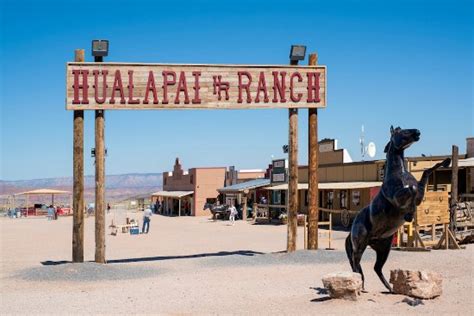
468 162
248 185
332 185
172 194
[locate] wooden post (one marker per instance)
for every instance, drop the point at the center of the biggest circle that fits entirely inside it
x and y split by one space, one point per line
99 187
454 188
78 180
269 201
244 208
292 211
305 234
313 152
446 228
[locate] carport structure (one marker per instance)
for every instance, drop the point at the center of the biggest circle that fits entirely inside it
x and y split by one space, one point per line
51 192
177 195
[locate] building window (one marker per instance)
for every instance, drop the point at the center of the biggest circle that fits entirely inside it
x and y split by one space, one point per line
329 199
164 181
356 198
343 199
277 197
192 179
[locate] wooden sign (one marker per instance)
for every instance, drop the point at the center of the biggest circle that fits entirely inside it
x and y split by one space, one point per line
92 86
279 171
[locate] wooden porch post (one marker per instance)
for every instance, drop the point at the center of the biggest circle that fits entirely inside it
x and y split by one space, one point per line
454 188
313 152
244 208
78 180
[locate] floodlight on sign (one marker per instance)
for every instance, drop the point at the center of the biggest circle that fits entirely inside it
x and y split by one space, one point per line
100 48
297 52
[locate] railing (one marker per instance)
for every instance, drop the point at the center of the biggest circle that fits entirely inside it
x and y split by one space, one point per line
263 211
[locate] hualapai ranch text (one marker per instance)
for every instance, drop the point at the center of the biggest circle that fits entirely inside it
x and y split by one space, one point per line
92 86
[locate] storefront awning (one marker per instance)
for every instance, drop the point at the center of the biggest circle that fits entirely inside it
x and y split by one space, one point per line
332 185
172 194
248 185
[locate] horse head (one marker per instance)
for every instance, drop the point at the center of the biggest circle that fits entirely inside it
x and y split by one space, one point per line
401 139
207 206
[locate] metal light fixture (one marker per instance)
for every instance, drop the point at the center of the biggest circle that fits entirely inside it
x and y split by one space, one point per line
100 48
93 152
297 52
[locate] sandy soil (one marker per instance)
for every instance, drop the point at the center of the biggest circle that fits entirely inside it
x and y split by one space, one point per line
192 265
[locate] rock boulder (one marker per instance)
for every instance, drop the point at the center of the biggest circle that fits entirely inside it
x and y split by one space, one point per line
345 285
419 284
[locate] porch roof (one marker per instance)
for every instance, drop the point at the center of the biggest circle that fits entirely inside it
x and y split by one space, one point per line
172 194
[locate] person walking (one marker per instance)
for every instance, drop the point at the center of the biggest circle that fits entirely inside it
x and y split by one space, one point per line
50 213
233 212
146 220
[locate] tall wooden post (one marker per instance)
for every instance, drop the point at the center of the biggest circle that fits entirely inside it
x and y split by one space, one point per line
313 153
454 188
78 179
99 187
293 180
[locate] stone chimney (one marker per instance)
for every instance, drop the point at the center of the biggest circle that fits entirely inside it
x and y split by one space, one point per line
469 147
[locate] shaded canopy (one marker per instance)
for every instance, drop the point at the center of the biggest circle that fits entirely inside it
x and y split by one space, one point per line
43 191
173 194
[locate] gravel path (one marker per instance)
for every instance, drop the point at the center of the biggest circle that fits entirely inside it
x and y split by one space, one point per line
196 266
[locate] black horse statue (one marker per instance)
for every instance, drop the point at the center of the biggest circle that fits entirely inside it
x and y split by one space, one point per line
395 204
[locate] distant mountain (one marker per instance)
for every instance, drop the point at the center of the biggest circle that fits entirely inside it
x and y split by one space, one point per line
130 180
118 187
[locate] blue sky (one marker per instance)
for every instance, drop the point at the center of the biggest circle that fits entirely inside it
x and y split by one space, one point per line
407 63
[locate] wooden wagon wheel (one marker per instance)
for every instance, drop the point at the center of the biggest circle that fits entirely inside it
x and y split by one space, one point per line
345 218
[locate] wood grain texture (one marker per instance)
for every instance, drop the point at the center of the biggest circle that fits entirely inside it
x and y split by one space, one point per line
78 180
313 151
293 180
99 187
209 99
434 209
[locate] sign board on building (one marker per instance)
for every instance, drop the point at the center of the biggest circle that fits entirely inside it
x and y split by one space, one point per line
279 171
327 146
92 86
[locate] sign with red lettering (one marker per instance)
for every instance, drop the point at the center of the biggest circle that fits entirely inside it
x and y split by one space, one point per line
93 86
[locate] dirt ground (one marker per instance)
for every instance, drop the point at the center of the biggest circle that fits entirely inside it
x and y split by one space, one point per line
191 265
